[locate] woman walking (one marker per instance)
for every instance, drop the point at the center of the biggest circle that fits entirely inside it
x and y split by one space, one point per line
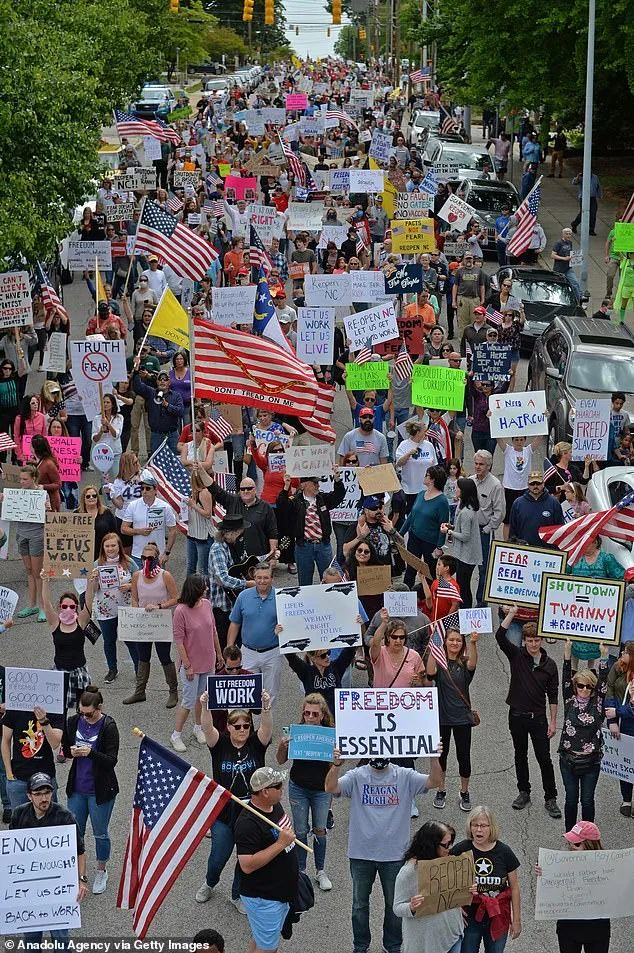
619 711
414 456
67 623
465 536
105 522
106 429
28 422
8 399
30 542
424 521
47 471
199 526
110 586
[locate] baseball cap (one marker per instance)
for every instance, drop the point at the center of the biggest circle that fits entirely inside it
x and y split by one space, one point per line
629 574
371 503
480 310
536 475
152 258
366 412
148 477
266 778
38 781
583 830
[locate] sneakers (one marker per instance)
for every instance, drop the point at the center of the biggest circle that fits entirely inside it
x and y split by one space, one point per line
203 894
177 743
552 808
440 800
26 612
110 675
292 569
522 800
323 882
625 809
199 735
465 801
100 882
330 821
414 810
238 905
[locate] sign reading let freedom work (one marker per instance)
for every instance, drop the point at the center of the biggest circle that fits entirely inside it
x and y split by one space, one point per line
234 691
387 722
514 572
587 610
315 617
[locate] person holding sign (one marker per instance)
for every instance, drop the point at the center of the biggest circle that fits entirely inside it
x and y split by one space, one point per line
110 586
30 541
308 516
465 536
619 711
395 665
106 429
597 564
29 739
48 476
68 622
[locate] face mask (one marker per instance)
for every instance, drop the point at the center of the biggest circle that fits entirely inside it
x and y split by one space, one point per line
67 616
112 559
150 566
379 763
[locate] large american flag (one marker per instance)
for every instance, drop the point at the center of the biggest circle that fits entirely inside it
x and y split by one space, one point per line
50 299
319 423
494 316
403 365
174 482
417 76
258 255
342 116
365 354
129 125
174 806
448 123
188 254
294 163
438 434
526 216
169 134
573 537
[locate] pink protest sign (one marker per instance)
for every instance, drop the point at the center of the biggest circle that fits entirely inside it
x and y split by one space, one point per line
68 453
296 101
238 188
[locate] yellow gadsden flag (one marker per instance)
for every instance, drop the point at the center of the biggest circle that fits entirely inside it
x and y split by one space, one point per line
170 320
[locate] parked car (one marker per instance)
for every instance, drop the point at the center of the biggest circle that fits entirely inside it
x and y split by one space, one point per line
486 197
605 489
422 123
579 358
544 294
467 161
218 84
155 102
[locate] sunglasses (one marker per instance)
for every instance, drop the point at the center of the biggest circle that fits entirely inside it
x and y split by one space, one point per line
90 496
585 686
446 844
244 489
68 605
535 482
323 655
242 726
398 638
145 487
369 400
363 552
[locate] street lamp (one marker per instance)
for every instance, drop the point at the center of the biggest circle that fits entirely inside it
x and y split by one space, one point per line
587 148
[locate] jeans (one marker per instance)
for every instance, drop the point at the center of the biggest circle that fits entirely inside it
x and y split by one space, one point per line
222 844
4 797
156 439
341 531
198 556
483 441
522 728
109 632
309 555
574 281
301 799
593 215
419 547
61 936
485 540
363 873
79 426
578 787
142 651
500 248
16 792
477 933
84 806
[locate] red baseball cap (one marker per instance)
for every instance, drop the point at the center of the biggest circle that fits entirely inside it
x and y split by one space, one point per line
366 412
583 830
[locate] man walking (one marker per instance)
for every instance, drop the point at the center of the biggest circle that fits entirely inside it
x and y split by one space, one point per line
561 254
468 291
368 443
595 194
491 512
535 508
308 518
254 618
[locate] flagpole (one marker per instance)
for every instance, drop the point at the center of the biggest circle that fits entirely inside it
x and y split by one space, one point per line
97 283
149 327
247 807
192 373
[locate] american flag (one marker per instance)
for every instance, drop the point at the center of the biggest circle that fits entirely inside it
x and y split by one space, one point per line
416 76
360 240
50 299
174 482
448 123
187 253
174 204
439 435
169 133
339 114
573 537
403 365
211 181
628 214
526 216
258 255
220 425
448 590
294 164
6 443
119 247
365 354
319 424
494 316
215 207
129 125
174 806
550 470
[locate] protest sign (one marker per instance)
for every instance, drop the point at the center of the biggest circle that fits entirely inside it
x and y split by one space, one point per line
328 291
584 885
24 506
623 237
406 278
381 146
379 479
305 216
69 543
362 97
454 249
255 122
275 115
348 510
224 169
183 179
373 580
378 324
220 463
26 687
514 572
57 353
310 461
315 335
586 610
491 362
401 605
591 430
233 305
310 743
332 233
442 388
139 179
366 180
82 256
576 260
297 101
520 414
98 362
386 723
445 170
369 376
109 577
262 217
138 625
367 286
339 180
414 561
277 462
315 617
413 204
262 437
8 602
151 148
475 620
241 189
312 126
234 691
618 756
457 213
15 299
68 453
297 270
120 211
445 883
412 235
10 475
194 218
39 875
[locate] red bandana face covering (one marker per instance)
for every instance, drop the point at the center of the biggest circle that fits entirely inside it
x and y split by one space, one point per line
151 567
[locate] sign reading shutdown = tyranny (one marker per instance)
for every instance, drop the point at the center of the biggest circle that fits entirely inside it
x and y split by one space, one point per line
386 723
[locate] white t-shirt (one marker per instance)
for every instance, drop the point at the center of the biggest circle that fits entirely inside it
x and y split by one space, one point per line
413 472
159 515
156 280
116 423
128 491
517 466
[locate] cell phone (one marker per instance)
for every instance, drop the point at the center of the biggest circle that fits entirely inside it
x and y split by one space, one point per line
286 730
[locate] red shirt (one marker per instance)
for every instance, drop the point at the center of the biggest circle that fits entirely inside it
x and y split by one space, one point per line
280 201
440 606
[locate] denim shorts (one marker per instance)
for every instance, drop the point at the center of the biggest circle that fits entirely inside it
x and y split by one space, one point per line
266 919
192 690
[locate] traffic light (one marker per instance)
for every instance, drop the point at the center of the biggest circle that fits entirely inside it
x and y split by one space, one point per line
174 6
247 12
336 11
362 33
328 31
269 13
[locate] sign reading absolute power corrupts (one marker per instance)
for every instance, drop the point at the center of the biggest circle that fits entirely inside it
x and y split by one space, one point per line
410 236
586 610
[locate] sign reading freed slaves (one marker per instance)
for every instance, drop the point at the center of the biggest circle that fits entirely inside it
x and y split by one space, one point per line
387 722
69 543
587 610
15 299
441 388
591 429
234 691
514 572
316 617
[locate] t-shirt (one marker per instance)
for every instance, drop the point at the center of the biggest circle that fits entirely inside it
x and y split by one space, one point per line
195 628
257 618
128 491
517 466
468 281
232 768
413 472
30 751
440 605
276 880
380 805
158 515
370 447
491 866
562 248
452 709
385 670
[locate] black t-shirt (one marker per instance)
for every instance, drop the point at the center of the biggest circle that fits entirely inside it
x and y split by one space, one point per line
277 880
491 866
233 767
309 774
30 751
452 708
69 649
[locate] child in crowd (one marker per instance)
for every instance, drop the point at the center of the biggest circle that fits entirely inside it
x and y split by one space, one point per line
455 472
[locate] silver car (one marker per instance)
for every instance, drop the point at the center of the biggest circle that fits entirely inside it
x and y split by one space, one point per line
605 489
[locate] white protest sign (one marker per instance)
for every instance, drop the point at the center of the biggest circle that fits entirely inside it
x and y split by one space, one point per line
362 97
315 335
328 291
220 462
314 617
584 884
262 217
40 880
314 460
514 572
82 256
387 722
233 305
445 170
183 178
520 414
332 233
591 429
194 218
475 620
26 687
348 509
8 602
138 625
56 351
339 180
305 216
456 212
276 115
118 211
381 145
400 605
151 148
618 756
368 286
413 204
587 610
255 122
139 179
366 180
576 259
378 323
15 299
24 506
98 362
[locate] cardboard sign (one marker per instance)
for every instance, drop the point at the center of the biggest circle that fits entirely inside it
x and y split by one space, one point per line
378 324
315 335
139 179
82 255
98 362
297 101
25 688
57 353
379 479
373 580
366 180
183 179
457 213
151 148
441 388
411 236
618 756
16 307
24 506
591 431
414 204
348 509
120 211
328 291
305 216
242 189
475 620
233 305
310 743
491 362
584 885
406 278
315 617
138 625
314 460
38 870
68 453
234 691
514 572
520 414
11 476
8 602
445 883
373 375
386 723
623 237
367 286
586 610
418 564
69 544
381 146
401 605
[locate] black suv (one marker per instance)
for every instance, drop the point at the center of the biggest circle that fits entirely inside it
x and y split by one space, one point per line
544 295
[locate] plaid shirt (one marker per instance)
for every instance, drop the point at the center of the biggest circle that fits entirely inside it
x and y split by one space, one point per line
279 261
219 579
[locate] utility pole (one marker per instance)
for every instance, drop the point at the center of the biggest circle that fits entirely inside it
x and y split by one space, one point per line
587 148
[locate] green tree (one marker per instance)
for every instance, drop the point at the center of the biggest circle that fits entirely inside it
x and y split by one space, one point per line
225 41
349 46
264 38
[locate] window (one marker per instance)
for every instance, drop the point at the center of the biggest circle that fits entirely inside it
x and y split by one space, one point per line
602 373
557 351
617 490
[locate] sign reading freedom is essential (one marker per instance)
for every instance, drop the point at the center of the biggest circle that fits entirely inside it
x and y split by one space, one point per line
518 414
139 625
514 572
82 255
445 883
387 723
441 388
377 323
584 885
26 687
315 460
234 691
15 299
316 617
310 743
412 235
69 544
369 376
586 610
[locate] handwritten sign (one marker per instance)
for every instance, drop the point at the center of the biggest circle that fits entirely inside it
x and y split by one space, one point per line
8 602
591 431
11 475
367 286
69 544
24 506
475 620
387 723
315 335
339 180
369 376
381 146
410 560
491 362
373 580
325 291
378 323
441 388
623 237
82 255
183 179
520 414
120 211
406 278
234 691
366 180
314 617
16 307
262 217
514 572
586 610
233 305
138 625
26 687
412 235
348 510
445 883
310 743
618 756
456 212
151 148
310 461
379 479
139 179
413 204
57 353
584 885
68 453
401 605
305 216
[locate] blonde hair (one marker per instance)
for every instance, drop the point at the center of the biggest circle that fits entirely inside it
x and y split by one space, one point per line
314 698
128 465
483 811
560 448
587 676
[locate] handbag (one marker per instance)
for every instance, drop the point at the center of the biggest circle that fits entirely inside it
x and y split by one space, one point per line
92 631
475 715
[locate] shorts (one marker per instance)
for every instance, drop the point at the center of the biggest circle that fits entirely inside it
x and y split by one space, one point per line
501 165
31 545
266 919
191 691
510 496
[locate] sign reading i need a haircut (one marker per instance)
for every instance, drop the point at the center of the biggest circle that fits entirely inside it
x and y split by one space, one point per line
387 723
